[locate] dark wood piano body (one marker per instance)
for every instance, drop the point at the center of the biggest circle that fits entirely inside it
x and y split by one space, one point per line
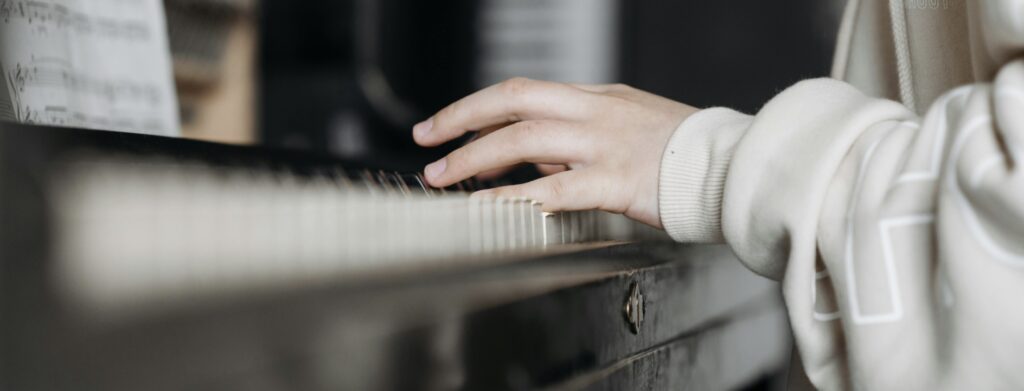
557 321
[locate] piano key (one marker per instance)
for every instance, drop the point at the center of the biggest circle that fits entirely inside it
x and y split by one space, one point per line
138 230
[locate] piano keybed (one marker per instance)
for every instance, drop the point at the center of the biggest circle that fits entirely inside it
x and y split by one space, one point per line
140 262
138 232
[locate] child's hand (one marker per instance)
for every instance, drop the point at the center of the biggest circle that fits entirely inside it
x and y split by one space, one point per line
610 137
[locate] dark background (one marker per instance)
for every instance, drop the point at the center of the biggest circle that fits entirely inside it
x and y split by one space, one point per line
736 53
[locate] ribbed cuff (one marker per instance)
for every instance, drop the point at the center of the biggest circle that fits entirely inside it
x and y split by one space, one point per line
693 170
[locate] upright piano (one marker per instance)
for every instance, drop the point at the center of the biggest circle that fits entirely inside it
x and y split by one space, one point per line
141 262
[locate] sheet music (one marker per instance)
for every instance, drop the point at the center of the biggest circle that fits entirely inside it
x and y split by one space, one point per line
102 64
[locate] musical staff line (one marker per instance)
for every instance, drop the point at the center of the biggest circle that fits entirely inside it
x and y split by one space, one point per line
110 90
49 16
101 64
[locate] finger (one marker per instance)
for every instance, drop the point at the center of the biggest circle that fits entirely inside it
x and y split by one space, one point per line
495 173
544 169
570 190
551 169
484 132
522 142
510 101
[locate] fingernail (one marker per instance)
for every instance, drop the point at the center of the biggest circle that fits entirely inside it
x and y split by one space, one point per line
421 129
435 169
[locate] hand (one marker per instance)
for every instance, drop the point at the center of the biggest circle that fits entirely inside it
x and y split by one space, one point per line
609 137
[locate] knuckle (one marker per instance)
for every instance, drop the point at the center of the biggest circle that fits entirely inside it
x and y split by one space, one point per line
620 87
558 188
516 86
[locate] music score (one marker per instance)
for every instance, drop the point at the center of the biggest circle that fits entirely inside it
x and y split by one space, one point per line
100 64
47 17
111 90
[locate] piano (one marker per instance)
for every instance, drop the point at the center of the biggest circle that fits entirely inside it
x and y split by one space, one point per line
142 262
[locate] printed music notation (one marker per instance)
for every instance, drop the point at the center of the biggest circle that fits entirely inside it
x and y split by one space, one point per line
64 116
100 64
58 17
21 76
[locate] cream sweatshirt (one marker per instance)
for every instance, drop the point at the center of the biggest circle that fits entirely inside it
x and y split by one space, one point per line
890 204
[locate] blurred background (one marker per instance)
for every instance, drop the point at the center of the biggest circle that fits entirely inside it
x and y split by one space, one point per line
350 77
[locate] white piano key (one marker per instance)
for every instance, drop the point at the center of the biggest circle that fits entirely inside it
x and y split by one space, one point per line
138 232
537 222
500 225
475 219
523 222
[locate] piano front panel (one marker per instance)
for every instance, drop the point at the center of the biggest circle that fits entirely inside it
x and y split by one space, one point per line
139 262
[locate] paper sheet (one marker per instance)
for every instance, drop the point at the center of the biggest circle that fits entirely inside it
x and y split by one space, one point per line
101 64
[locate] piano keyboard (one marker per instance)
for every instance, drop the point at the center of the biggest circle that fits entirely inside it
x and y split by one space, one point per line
134 232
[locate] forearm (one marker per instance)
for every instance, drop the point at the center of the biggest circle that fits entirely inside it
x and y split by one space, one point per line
876 221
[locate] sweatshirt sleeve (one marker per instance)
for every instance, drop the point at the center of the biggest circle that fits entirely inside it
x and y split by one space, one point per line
899 240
